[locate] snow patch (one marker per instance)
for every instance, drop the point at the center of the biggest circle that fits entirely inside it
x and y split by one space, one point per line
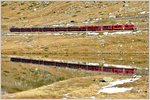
115 90
119 32
92 97
143 12
92 33
92 63
111 89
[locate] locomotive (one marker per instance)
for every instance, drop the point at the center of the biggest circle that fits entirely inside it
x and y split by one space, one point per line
76 28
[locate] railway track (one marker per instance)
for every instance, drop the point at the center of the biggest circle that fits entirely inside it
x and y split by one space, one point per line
131 17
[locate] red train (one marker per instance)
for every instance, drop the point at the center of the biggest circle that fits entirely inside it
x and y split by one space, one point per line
98 68
76 28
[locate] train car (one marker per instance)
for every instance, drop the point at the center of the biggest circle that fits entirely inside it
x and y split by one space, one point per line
82 28
107 27
129 27
72 65
118 27
118 70
34 29
59 29
41 62
14 59
27 30
44 29
22 30
83 67
99 28
91 28
52 63
97 68
107 69
61 64
130 71
91 67
14 29
75 28
34 61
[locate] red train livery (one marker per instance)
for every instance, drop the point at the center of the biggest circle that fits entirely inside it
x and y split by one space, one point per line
76 28
98 68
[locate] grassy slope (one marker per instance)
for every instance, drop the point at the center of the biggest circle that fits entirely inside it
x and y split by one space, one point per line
81 48
66 44
83 87
18 77
22 14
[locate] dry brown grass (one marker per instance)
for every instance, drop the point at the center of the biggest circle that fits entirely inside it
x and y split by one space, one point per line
81 48
84 87
21 14
18 77
78 48
140 90
75 45
74 86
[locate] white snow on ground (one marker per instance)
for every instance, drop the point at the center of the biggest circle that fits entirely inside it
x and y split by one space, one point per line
69 33
118 32
143 12
92 33
111 89
122 81
92 63
67 96
92 97
115 90
121 32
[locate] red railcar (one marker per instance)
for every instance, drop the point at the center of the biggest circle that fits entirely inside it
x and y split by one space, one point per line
91 67
118 27
107 27
130 71
15 30
75 28
82 28
99 28
107 69
83 67
118 70
34 29
92 28
129 27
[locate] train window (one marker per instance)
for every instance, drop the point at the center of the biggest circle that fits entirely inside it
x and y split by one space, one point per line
126 26
106 26
118 26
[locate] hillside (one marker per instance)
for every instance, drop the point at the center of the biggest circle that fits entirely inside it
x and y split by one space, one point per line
85 88
18 77
29 14
128 48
